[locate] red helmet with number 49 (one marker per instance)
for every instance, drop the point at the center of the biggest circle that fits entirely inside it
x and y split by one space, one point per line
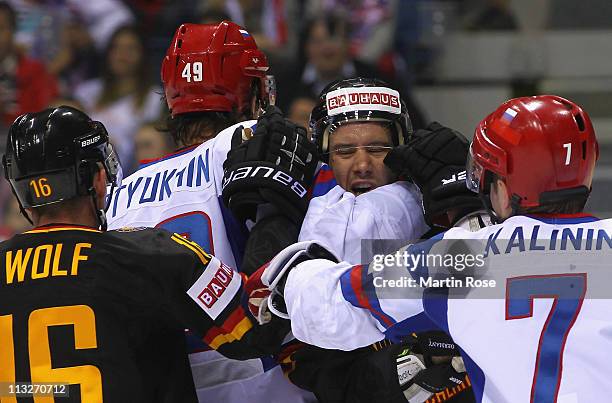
544 148
214 67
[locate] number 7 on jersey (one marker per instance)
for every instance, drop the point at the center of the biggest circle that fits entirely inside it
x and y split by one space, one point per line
568 291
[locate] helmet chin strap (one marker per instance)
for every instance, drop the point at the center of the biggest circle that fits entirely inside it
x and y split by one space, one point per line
21 208
495 218
486 202
258 108
515 204
100 213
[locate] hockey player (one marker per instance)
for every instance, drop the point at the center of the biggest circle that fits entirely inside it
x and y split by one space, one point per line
214 78
355 124
368 203
355 197
102 314
357 194
524 337
435 160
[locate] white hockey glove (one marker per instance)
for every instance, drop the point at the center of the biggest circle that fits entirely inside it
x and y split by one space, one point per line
272 277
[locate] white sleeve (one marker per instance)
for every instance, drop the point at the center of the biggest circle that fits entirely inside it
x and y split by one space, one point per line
392 211
320 315
326 220
340 220
222 145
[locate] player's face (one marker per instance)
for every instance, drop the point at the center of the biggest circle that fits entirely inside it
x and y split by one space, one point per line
299 112
125 54
357 151
150 144
325 51
6 34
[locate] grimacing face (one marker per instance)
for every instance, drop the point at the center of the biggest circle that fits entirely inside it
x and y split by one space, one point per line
359 170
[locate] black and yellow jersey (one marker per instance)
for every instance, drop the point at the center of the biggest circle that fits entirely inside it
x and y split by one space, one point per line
106 313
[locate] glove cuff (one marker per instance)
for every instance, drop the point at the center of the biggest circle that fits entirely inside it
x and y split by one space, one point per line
275 275
248 178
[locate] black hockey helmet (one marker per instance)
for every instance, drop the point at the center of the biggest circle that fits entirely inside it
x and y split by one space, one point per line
358 99
51 156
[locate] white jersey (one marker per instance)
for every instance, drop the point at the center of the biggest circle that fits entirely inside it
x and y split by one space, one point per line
537 327
339 220
182 193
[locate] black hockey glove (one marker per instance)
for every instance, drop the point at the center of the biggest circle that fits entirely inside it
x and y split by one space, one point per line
276 166
442 374
426 367
435 160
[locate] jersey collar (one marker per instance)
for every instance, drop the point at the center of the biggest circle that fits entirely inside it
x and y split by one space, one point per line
578 218
177 153
60 227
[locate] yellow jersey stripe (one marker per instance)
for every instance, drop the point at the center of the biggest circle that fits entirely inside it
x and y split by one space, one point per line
220 340
204 257
239 330
43 230
197 246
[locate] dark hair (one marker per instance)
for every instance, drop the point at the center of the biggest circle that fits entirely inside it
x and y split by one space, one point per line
6 8
191 128
110 91
213 15
197 127
334 23
569 206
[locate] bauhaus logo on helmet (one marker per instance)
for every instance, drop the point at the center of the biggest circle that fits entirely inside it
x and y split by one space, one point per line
365 98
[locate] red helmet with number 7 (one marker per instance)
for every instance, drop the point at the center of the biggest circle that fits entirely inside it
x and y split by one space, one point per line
544 148
214 67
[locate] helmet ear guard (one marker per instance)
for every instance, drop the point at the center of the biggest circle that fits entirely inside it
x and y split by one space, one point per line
85 175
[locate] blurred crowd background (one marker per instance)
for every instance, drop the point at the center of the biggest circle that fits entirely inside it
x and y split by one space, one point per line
453 61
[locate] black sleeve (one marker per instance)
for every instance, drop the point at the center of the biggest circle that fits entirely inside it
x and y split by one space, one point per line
204 295
321 371
269 236
364 375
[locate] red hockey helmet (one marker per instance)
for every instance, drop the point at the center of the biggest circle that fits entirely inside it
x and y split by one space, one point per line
543 146
213 67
